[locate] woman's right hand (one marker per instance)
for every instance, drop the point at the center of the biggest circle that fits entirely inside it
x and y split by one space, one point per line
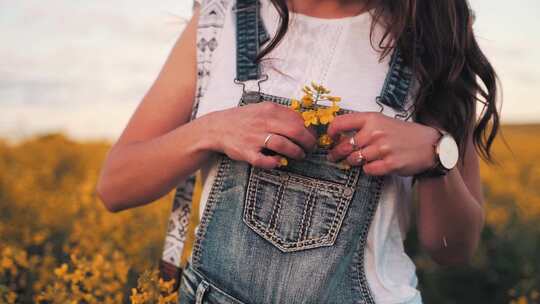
240 133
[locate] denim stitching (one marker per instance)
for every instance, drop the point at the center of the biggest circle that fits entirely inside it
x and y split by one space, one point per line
272 224
223 167
279 242
342 206
278 176
213 285
358 273
307 215
284 101
313 182
249 208
201 290
328 239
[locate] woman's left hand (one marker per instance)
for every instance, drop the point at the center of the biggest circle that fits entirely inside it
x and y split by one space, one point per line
387 145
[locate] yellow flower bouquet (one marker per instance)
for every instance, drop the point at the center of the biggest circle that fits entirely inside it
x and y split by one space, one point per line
317 115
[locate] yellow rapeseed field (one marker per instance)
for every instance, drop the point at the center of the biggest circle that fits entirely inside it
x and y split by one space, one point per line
58 244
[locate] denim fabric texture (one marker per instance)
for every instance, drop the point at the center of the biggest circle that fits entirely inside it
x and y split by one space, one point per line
251 33
294 234
397 84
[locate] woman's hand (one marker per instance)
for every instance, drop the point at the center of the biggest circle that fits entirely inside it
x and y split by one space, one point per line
240 133
388 145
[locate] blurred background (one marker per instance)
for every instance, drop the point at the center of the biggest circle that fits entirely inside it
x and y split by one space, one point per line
71 75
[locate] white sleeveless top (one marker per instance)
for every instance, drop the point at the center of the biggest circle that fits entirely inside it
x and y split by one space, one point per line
336 53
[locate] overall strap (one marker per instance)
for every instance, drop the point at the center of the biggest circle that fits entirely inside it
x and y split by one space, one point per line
396 85
250 35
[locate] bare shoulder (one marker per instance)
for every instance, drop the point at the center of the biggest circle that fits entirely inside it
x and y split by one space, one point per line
168 102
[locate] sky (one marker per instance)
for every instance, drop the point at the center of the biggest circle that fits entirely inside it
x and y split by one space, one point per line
82 67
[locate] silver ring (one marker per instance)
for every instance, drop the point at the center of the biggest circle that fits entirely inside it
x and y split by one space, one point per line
267 139
360 157
352 141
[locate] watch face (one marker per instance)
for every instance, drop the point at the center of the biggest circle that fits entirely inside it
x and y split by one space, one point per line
448 152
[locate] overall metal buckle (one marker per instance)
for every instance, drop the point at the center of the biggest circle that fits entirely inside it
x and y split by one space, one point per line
249 97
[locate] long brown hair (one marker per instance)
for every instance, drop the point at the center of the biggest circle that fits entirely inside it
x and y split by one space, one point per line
437 41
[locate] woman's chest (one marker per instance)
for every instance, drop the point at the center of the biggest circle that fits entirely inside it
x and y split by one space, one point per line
336 53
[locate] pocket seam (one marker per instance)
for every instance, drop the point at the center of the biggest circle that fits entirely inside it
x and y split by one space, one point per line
328 239
308 208
303 180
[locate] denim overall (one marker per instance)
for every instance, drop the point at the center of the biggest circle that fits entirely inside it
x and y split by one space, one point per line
294 234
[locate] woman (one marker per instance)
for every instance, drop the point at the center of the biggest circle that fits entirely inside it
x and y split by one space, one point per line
410 74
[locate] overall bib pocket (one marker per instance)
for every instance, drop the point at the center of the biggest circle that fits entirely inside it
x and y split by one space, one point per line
300 206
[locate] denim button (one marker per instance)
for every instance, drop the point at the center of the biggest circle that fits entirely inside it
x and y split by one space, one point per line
348 192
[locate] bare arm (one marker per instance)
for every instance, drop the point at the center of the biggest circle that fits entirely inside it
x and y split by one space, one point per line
451 207
148 159
159 147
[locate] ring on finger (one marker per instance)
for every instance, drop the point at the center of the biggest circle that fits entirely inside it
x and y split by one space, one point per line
360 158
267 139
353 143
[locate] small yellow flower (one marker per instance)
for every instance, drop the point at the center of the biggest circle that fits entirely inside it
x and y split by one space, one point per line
334 108
11 297
307 90
325 140
7 251
283 162
61 271
307 101
7 263
522 300
295 104
165 286
325 115
320 88
310 118
77 276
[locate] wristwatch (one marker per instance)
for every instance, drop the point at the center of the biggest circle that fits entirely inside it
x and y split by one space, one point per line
446 155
